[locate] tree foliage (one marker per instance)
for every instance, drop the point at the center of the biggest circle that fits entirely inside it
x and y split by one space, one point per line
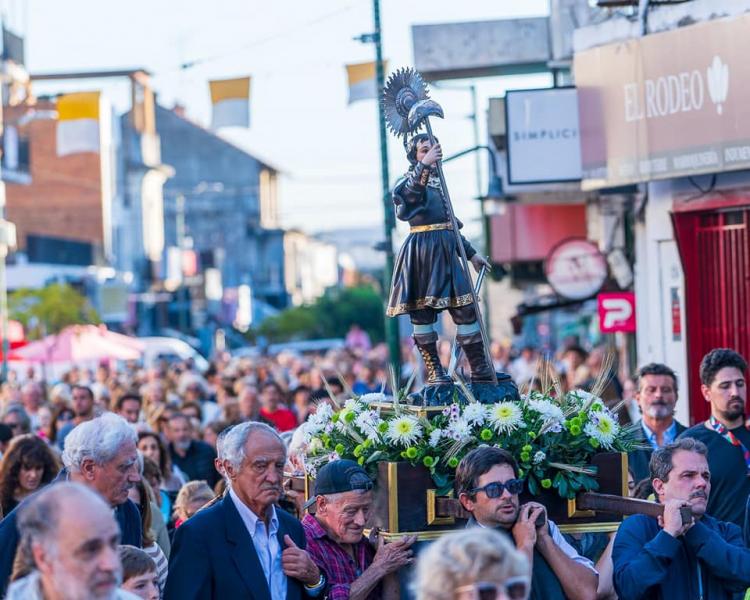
50 309
330 316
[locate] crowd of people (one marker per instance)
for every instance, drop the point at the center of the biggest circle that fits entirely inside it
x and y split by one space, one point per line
169 483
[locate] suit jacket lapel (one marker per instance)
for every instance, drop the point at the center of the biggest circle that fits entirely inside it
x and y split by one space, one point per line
243 552
292 589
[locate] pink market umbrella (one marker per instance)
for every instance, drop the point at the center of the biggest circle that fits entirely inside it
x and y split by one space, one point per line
80 343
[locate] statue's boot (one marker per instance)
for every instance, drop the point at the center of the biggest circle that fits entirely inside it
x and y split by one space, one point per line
427 346
473 348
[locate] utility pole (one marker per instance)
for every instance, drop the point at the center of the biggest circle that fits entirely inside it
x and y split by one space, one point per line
391 323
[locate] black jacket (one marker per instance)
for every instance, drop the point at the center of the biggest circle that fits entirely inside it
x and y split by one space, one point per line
213 557
638 459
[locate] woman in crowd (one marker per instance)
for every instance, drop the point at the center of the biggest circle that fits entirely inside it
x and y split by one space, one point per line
472 564
28 465
61 416
190 500
150 444
139 494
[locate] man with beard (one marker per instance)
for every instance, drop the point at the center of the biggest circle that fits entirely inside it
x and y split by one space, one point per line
73 540
193 457
656 397
488 486
242 547
665 558
725 433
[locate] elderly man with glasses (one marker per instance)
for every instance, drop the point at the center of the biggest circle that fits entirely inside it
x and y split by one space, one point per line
488 486
352 567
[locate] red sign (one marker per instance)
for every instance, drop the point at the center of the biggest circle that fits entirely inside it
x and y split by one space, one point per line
616 312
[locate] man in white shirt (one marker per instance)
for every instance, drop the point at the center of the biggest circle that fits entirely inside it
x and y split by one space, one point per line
243 547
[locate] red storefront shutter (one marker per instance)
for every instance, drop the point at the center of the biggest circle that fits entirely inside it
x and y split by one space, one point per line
715 250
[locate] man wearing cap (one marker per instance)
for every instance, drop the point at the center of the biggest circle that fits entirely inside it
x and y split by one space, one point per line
353 569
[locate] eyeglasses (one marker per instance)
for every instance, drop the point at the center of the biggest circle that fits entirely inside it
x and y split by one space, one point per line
496 488
514 588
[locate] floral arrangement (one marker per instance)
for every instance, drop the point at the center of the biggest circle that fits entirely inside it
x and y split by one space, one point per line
552 438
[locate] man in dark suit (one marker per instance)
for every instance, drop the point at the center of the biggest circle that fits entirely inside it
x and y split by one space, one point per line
101 454
657 397
243 547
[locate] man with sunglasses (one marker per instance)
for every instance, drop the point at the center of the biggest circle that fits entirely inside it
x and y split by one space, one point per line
352 567
488 486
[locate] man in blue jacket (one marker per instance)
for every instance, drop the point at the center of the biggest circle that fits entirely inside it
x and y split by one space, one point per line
664 558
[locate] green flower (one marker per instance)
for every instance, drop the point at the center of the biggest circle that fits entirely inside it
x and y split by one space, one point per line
383 427
335 417
546 483
594 443
358 451
527 448
520 472
575 430
532 435
349 416
339 449
411 452
576 421
367 443
525 457
428 461
452 462
486 435
361 460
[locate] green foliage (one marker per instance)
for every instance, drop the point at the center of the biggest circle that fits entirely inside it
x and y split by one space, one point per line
331 316
50 309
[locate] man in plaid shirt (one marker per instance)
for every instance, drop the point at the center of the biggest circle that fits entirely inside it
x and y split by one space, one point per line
335 534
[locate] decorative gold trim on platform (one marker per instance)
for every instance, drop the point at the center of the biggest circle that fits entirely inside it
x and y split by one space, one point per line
433 227
574 513
418 411
429 302
432 518
392 497
624 474
588 527
422 536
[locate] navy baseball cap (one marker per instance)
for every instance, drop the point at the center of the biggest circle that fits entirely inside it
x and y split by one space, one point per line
339 476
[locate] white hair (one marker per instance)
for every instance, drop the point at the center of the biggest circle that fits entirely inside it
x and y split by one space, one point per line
220 442
99 440
233 447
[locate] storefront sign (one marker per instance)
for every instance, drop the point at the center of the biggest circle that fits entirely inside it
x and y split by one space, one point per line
576 269
616 312
665 105
543 139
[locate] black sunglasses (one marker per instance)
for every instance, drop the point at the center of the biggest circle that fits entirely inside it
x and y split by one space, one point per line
496 488
515 588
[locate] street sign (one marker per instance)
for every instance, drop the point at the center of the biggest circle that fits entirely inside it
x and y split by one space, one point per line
576 269
616 312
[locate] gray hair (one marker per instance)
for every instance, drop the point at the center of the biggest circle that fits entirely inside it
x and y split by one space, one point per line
39 517
233 446
99 440
661 463
220 442
466 557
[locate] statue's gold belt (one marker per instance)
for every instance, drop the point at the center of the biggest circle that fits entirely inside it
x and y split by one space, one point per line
432 227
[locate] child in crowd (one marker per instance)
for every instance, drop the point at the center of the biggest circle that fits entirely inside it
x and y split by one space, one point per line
139 573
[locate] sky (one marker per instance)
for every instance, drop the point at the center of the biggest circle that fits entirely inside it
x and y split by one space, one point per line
295 51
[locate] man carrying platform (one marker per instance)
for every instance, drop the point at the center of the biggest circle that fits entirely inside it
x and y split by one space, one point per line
488 486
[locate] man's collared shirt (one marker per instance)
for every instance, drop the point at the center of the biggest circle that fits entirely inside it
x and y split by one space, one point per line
669 435
266 545
340 568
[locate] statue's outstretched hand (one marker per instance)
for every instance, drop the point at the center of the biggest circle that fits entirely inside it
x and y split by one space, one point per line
478 261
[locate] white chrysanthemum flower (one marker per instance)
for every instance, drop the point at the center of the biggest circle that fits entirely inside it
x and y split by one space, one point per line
353 405
475 413
372 397
314 445
404 430
368 422
603 428
505 416
459 430
548 410
435 436
323 412
539 456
